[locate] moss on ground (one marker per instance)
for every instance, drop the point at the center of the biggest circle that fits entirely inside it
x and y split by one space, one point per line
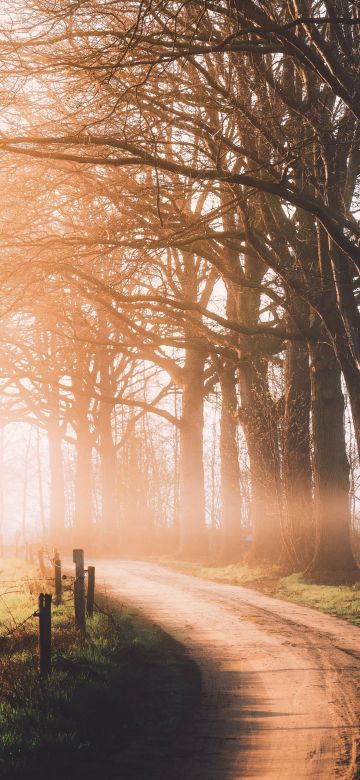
341 601
115 700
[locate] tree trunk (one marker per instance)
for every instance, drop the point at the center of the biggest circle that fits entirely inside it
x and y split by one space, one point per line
342 349
108 472
25 489
351 374
83 480
40 485
193 537
298 528
342 315
260 426
230 472
333 560
57 486
107 454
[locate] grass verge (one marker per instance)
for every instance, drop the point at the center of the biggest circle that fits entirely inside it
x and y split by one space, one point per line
114 704
341 601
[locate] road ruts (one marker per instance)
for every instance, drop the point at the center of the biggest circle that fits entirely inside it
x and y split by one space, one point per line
280 683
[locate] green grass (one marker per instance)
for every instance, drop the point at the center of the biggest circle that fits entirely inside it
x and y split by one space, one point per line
113 705
341 601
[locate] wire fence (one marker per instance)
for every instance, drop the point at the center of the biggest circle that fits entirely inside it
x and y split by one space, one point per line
26 582
66 595
70 596
19 625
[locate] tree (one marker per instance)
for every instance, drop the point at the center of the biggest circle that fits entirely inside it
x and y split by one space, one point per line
232 134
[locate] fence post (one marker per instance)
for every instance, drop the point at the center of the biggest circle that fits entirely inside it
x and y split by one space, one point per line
57 575
90 591
79 589
45 633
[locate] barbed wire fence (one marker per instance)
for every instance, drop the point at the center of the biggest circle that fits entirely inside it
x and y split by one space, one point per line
72 596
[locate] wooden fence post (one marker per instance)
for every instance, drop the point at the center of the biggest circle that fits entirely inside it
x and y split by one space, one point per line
45 634
79 589
90 591
57 575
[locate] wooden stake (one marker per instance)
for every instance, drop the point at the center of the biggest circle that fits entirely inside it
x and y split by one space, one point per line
79 589
57 574
45 633
90 591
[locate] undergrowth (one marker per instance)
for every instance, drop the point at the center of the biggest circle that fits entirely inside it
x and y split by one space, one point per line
112 705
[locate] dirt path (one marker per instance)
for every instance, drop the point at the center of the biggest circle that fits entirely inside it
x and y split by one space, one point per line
281 683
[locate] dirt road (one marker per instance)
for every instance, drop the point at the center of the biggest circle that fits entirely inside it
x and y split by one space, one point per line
280 683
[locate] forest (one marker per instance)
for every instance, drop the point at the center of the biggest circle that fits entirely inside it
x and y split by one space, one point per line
180 325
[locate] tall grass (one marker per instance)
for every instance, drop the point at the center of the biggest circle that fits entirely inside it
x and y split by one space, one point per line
341 601
112 703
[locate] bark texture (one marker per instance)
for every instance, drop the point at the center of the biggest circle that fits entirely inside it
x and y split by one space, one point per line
259 419
333 560
298 529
